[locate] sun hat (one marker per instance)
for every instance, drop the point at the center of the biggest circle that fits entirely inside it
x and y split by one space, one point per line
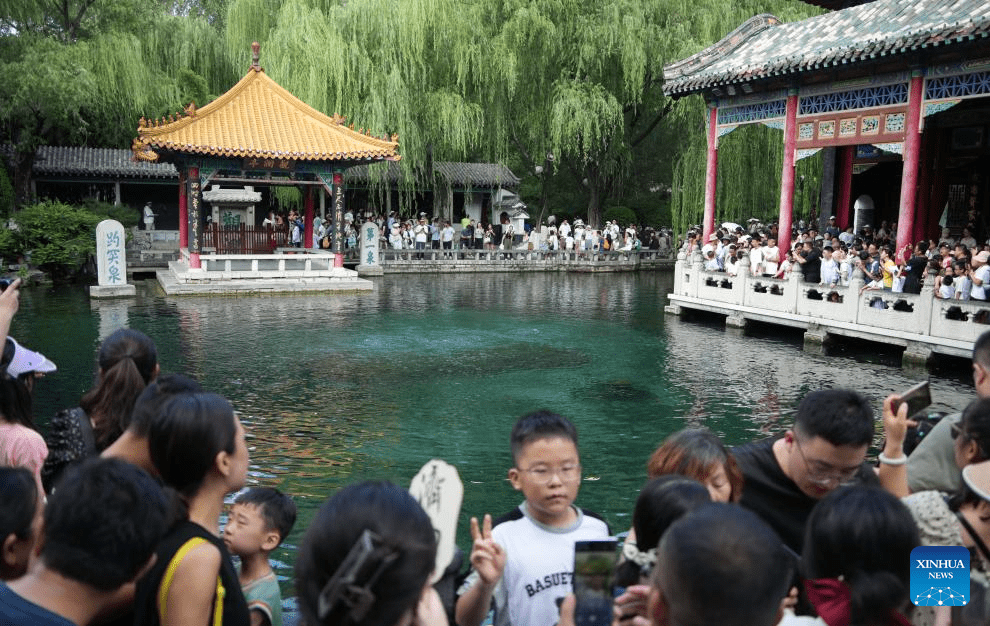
25 360
982 257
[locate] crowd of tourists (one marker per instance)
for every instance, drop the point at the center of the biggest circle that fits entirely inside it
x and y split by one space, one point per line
114 517
958 269
422 233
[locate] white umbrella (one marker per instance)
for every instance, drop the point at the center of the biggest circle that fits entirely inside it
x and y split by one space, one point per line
730 226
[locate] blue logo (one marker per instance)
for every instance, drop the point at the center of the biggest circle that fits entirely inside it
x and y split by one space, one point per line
940 576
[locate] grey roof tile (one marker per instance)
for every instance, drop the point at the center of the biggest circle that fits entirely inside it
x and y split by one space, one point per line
113 163
456 174
104 162
762 47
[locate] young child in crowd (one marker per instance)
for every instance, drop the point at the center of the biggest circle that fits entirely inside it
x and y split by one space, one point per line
829 268
945 290
259 521
524 564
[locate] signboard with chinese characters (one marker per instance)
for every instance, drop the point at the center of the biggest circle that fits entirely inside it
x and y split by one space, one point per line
370 234
439 490
111 265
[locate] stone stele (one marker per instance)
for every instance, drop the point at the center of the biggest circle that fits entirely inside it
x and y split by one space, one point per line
111 262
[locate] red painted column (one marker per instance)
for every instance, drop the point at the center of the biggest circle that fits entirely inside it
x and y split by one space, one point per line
183 211
912 149
922 218
843 200
195 198
787 174
308 241
711 173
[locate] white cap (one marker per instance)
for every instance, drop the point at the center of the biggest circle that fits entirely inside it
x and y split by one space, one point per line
977 477
27 361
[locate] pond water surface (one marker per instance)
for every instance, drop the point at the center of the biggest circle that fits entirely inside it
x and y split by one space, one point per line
338 388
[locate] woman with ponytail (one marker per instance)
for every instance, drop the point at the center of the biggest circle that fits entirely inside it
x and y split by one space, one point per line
197 446
127 363
856 560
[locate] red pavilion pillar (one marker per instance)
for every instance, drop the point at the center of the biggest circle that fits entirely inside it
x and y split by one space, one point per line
843 201
787 173
308 242
923 210
711 173
183 211
912 150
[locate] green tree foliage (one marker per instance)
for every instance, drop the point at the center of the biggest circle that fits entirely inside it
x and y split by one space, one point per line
571 87
621 214
59 238
752 152
81 72
124 214
6 194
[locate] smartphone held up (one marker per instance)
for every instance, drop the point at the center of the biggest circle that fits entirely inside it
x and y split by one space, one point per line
594 576
917 398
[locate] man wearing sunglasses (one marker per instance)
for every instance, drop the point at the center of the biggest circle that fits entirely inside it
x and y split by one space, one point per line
784 477
932 465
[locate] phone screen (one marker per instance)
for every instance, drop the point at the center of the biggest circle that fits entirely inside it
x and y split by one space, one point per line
594 575
917 398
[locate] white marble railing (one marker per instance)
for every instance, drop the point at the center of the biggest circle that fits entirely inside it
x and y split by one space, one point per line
899 318
538 256
300 263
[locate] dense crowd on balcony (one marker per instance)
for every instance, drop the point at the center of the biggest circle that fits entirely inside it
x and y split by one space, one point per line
957 269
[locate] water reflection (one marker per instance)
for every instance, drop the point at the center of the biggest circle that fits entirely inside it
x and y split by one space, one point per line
338 388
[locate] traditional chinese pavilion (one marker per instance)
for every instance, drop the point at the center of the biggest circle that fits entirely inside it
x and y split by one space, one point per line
258 133
905 82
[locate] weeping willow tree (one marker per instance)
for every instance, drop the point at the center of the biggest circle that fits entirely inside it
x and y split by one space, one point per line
750 160
567 86
76 72
407 68
576 86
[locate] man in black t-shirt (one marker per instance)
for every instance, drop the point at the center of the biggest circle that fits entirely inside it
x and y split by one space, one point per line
810 259
101 528
786 476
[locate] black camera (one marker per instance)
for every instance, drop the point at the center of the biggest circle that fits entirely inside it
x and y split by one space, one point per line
5 282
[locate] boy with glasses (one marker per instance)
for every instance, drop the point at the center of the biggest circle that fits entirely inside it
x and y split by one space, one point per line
523 564
785 477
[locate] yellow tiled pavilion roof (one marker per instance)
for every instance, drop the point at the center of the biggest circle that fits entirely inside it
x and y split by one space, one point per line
259 118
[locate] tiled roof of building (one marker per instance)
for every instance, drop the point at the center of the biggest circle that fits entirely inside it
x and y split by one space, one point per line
111 163
99 162
456 174
258 118
763 47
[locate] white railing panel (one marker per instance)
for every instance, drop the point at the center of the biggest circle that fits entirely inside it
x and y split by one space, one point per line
962 320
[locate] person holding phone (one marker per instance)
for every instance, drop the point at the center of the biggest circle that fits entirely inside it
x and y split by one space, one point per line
932 464
719 564
970 436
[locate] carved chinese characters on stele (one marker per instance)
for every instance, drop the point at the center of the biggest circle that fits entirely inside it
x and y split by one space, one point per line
111 265
370 234
438 489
